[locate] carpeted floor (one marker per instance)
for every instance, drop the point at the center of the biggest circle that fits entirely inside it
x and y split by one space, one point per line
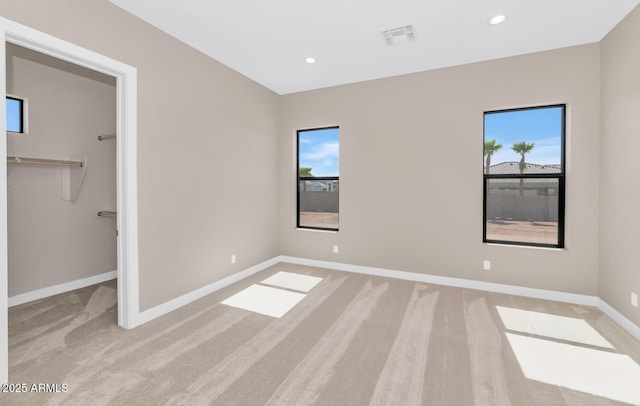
352 340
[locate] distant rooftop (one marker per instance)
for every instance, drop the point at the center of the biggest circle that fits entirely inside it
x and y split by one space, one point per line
512 167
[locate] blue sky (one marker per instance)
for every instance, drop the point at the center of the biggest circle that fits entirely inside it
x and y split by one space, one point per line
13 115
543 127
320 151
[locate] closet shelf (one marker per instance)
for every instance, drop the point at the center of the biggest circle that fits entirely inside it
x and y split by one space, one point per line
38 161
72 173
106 213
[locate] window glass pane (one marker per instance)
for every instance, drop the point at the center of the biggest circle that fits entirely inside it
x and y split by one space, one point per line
319 203
319 152
14 115
318 178
523 141
523 210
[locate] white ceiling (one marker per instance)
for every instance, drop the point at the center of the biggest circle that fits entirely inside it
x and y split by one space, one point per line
268 40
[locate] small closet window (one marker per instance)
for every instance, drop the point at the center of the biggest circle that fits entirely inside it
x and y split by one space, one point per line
16 115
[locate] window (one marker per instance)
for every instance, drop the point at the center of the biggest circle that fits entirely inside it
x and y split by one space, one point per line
318 180
16 115
524 178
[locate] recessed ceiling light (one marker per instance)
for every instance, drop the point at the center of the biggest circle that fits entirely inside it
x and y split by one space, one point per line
499 19
310 60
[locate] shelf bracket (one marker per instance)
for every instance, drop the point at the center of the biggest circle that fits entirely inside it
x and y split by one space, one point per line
71 179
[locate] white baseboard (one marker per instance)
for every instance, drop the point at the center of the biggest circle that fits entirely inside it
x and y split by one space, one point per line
616 316
185 299
447 281
61 288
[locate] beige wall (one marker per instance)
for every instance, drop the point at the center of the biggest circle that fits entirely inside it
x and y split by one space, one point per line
52 241
411 169
205 133
620 175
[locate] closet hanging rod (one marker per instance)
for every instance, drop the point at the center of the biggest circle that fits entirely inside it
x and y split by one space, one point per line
106 136
105 213
38 161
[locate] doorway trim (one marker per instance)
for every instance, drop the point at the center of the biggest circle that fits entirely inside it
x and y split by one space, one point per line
126 170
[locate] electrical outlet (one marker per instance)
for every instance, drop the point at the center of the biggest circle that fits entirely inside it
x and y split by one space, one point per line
335 249
233 258
634 299
487 265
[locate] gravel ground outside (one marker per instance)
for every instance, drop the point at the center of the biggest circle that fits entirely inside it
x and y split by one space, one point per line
543 232
319 219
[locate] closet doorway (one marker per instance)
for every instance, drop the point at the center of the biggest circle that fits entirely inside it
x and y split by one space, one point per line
126 170
61 183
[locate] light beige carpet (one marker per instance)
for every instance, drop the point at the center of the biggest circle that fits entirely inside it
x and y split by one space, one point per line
352 340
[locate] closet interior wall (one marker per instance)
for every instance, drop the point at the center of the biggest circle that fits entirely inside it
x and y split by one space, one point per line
52 241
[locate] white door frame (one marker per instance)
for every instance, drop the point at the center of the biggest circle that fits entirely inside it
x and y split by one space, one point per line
126 169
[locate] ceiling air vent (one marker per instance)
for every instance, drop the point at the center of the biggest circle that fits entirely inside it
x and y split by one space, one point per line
401 34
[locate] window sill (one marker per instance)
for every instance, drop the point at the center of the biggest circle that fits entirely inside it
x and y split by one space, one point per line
495 244
316 230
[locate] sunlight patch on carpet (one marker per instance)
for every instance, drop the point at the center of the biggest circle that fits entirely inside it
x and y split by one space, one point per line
601 373
552 326
265 300
293 281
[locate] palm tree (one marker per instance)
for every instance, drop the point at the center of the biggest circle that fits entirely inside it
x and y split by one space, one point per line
304 173
522 148
489 148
